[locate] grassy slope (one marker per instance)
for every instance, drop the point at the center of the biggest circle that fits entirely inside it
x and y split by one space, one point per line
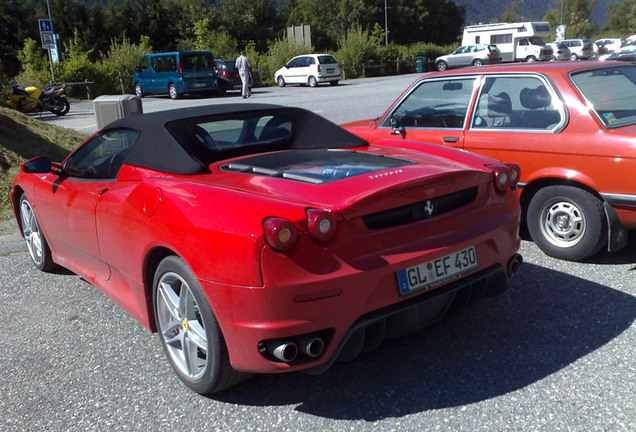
22 138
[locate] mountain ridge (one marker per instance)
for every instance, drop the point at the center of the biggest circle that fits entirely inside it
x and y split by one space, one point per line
485 11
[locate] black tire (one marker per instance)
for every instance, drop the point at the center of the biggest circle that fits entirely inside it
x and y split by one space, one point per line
333 83
139 91
36 243
312 81
281 81
573 57
531 59
196 319
172 91
441 65
477 62
567 222
59 106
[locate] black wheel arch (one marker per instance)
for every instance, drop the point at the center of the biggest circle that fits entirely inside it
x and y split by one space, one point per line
17 195
151 262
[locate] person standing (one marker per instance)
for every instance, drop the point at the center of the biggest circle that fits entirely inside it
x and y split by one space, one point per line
244 67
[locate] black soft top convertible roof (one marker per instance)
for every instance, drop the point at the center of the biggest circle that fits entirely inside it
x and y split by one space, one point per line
164 144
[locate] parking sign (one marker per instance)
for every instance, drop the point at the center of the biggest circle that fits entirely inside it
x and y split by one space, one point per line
45 25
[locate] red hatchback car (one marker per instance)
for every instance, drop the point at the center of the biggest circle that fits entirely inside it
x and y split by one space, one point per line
260 238
571 127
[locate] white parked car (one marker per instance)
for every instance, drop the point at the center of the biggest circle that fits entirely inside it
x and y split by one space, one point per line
610 45
311 69
560 51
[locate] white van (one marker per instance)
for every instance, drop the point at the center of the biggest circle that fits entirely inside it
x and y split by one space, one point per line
516 41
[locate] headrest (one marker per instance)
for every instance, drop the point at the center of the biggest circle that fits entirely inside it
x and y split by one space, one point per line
499 105
535 98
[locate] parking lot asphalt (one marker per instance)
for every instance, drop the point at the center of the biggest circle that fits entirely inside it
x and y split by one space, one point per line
556 352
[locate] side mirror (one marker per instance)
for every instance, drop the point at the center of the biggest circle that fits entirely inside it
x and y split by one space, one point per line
137 69
38 165
396 128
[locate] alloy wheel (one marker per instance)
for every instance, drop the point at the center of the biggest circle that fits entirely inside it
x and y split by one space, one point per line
181 326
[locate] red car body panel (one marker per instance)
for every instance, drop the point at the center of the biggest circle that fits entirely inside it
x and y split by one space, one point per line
109 232
583 151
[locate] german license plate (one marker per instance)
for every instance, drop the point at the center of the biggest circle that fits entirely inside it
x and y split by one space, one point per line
432 273
199 85
330 71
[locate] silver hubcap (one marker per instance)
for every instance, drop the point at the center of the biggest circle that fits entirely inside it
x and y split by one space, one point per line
173 91
181 326
31 231
563 223
138 90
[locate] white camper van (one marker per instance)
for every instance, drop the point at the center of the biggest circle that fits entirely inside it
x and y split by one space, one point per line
516 41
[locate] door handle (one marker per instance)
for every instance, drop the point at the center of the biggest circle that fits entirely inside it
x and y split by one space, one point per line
450 139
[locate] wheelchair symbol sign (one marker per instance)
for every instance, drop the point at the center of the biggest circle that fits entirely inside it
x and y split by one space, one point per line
45 25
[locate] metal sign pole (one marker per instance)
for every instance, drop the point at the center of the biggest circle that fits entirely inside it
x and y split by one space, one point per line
48 8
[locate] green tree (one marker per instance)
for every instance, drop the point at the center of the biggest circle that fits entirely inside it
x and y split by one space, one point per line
251 21
511 14
16 24
621 18
576 18
220 42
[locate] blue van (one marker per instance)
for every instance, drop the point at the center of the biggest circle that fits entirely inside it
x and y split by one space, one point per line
175 73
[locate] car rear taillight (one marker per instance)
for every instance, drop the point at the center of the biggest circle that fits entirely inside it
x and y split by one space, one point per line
504 176
280 233
179 68
515 174
225 74
321 224
318 68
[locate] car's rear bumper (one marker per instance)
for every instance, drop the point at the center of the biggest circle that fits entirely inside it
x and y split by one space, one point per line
349 298
326 78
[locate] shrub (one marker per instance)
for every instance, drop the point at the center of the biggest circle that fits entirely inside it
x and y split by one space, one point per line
220 42
122 59
280 52
356 48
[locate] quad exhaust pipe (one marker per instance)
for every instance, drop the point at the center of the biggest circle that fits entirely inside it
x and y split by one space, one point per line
287 350
312 346
513 264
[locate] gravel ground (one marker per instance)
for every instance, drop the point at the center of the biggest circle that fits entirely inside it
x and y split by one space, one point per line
554 353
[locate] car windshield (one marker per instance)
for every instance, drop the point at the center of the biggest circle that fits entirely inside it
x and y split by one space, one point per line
611 93
198 61
536 41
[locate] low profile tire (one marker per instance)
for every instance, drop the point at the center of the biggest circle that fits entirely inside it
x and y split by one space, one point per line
36 244
567 222
188 330
138 90
441 65
280 81
477 62
172 91
333 83
312 81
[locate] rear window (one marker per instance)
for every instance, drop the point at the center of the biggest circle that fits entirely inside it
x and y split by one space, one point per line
327 60
197 62
315 166
611 92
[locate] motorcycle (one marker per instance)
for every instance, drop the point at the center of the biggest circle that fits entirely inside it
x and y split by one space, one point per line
32 99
